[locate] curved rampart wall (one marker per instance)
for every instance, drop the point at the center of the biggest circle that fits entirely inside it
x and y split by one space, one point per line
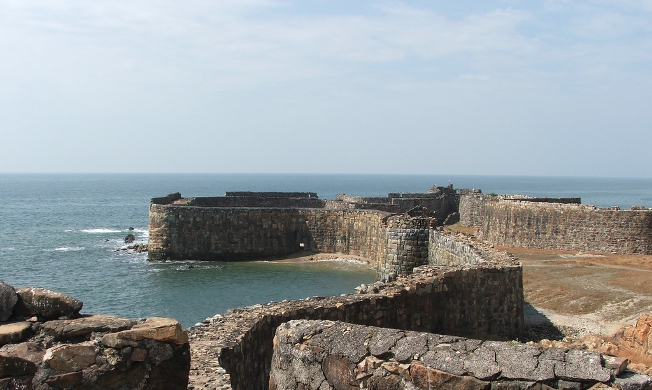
444 250
559 226
482 300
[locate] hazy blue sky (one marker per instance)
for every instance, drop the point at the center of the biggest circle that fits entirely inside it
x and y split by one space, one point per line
460 87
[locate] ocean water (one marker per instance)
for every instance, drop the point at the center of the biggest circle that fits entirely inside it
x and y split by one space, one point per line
64 232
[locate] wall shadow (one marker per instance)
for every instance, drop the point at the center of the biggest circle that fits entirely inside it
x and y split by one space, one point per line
538 327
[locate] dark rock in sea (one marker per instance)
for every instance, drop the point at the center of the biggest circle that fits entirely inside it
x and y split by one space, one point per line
139 248
130 238
8 299
45 304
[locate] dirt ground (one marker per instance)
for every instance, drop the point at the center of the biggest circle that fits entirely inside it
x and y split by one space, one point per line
582 293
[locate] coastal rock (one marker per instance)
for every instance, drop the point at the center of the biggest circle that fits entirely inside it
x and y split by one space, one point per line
138 248
20 359
161 329
130 238
65 381
8 299
638 338
71 357
80 327
45 304
14 332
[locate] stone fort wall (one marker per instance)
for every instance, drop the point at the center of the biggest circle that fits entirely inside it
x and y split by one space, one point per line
428 280
247 226
531 223
481 296
227 234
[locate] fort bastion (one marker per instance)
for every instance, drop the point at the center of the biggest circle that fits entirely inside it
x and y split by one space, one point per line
429 280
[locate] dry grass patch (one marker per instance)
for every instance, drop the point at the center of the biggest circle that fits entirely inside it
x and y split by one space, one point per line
460 229
613 287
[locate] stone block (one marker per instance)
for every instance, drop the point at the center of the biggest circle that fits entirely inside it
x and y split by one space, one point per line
568 385
65 381
630 380
83 326
481 363
615 363
384 383
407 347
582 366
155 328
14 332
71 357
15 363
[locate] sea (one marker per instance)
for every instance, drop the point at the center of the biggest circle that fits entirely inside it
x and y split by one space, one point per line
65 232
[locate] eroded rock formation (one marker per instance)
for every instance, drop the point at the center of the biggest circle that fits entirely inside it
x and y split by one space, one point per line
46 345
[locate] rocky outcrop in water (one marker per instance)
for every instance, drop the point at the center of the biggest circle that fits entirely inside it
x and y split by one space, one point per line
45 344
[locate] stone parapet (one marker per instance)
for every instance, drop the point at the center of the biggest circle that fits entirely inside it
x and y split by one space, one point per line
333 354
483 301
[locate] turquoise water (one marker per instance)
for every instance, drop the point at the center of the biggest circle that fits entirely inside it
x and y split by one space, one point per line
62 231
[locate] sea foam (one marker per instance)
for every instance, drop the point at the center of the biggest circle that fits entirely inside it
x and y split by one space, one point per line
100 231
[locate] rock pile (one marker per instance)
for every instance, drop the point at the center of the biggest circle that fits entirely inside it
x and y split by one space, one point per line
46 344
637 338
333 354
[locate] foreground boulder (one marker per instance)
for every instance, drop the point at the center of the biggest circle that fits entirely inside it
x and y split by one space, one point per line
88 352
638 338
45 304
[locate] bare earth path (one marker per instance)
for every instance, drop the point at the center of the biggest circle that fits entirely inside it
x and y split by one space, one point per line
585 292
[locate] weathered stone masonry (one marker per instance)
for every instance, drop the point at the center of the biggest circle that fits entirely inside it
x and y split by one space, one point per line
328 354
530 223
200 228
468 289
483 300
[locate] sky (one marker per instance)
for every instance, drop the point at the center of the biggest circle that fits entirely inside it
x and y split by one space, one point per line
554 88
